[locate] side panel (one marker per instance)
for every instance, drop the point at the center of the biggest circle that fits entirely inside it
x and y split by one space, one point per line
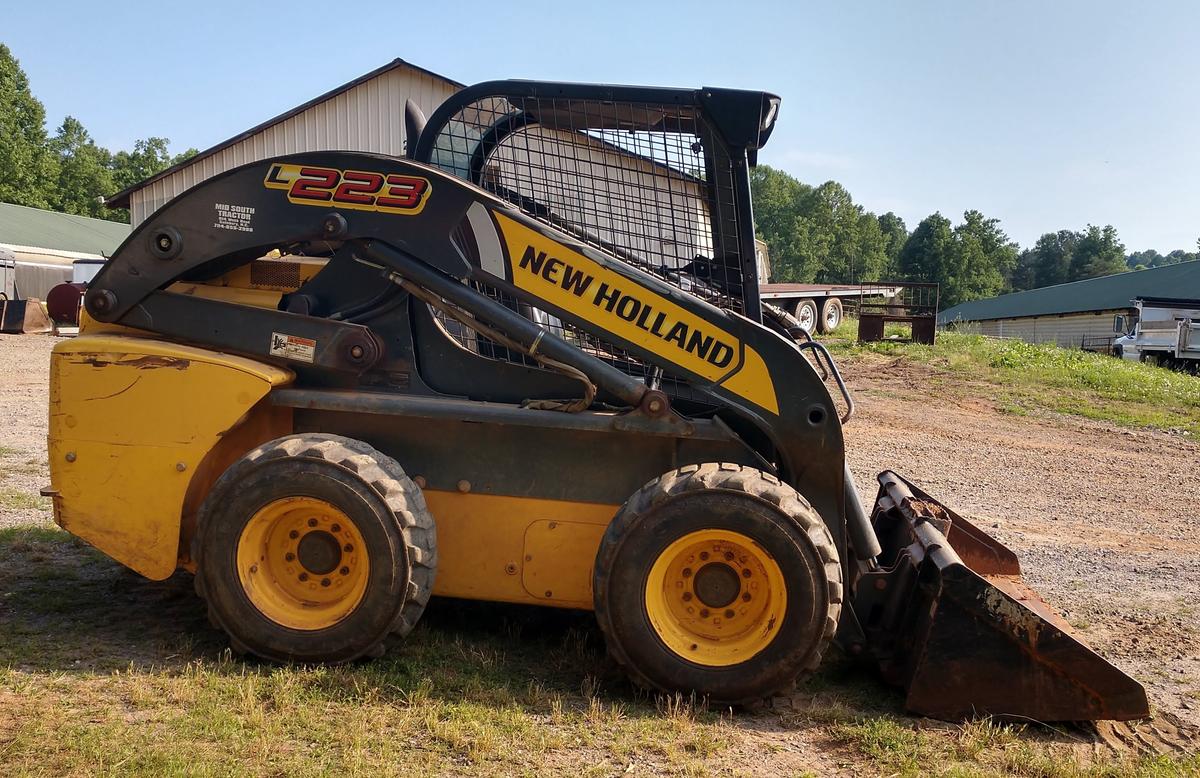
517 549
131 419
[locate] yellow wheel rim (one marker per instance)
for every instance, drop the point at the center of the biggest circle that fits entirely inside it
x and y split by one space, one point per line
715 597
302 563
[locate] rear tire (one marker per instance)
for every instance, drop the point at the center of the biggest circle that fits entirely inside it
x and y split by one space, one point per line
314 548
718 579
831 315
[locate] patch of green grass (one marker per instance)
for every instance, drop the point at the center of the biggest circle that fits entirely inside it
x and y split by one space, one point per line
1071 381
21 500
103 672
987 747
8 451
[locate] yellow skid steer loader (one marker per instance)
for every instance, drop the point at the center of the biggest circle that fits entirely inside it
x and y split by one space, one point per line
528 363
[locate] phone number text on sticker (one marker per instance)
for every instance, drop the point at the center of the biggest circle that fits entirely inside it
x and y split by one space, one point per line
360 190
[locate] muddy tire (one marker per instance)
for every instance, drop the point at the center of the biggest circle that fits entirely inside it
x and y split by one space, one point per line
314 548
717 579
831 315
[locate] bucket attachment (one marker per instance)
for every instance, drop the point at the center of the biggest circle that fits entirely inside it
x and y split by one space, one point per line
23 316
947 616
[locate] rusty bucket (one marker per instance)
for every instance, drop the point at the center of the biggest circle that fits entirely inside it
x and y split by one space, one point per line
948 617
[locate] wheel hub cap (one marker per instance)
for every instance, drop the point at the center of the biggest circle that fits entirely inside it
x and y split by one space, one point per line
319 552
302 563
715 597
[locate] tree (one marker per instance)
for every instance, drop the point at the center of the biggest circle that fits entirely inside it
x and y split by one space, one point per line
84 173
982 260
1024 275
970 261
777 197
26 164
895 234
148 158
1052 263
925 253
1098 252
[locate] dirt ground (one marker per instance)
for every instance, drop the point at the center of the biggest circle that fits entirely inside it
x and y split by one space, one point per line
1104 519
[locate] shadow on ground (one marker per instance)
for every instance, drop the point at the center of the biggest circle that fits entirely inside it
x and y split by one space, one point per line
65 608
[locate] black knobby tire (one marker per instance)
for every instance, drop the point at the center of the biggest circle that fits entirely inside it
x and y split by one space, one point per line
388 511
831 315
719 497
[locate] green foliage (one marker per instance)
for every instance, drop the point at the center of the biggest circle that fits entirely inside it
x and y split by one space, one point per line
1069 255
816 234
1072 381
1140 260
895 235
27 167
970 261
68 172
85 174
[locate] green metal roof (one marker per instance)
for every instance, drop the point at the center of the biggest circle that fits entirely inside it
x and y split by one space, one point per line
1106 293
24 226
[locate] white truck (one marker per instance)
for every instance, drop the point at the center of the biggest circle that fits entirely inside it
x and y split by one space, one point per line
1165 331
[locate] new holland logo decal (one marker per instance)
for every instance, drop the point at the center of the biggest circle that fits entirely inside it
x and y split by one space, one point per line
571 281
360 190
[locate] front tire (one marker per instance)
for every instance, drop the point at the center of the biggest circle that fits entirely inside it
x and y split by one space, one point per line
718 579
314 548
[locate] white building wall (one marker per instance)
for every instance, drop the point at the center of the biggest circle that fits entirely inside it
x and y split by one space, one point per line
368 117
1068 330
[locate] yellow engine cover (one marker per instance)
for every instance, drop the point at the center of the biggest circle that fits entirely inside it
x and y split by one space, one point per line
131 420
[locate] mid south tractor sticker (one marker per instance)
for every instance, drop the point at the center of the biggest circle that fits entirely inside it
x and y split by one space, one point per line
360 190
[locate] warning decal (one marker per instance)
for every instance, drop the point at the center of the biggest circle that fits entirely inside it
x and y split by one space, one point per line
293 347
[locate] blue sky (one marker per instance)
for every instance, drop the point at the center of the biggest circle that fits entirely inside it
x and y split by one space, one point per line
1047 115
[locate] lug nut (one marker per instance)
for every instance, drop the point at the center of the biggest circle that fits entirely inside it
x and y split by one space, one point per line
304 576
704 555
312 522
293 534
746 597
336 528
704 613
687 596
728 556
324 582
729 613
289 556
687 572
745 572
344 571
347 548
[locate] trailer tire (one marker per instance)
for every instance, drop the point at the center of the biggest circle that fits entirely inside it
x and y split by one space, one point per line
805 311
831 315
690 590
314 548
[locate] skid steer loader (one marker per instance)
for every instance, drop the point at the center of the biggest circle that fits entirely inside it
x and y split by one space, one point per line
527 363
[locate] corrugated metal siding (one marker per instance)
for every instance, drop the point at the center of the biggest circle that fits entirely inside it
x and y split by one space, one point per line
1066 331
369 117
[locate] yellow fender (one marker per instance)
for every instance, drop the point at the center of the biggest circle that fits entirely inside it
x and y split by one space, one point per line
131 421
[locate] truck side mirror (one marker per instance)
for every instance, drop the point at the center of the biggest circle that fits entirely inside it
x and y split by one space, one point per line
1119 323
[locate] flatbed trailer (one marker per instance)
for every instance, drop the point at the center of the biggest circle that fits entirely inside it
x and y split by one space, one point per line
821 306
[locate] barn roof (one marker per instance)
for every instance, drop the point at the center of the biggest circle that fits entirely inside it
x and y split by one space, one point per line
1106 293
34 228
121 199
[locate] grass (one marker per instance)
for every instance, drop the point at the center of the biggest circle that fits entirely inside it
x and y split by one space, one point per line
105 673
1023 376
